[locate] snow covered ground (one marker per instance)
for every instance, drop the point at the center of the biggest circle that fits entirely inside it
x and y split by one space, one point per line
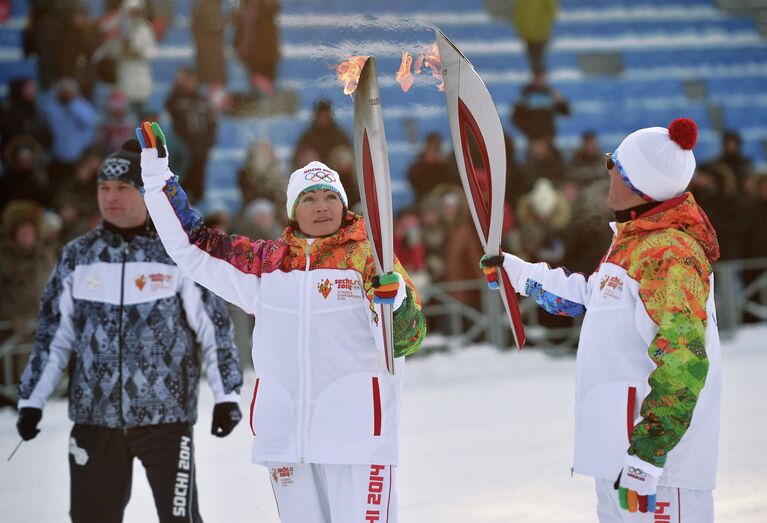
486 437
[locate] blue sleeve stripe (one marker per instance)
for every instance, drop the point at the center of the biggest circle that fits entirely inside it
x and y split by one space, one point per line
552 303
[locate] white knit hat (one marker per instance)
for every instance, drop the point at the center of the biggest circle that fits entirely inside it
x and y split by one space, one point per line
658 163
313 176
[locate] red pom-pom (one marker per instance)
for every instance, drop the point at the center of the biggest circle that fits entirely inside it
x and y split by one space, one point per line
684 131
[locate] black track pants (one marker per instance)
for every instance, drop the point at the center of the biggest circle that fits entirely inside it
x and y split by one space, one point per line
101 467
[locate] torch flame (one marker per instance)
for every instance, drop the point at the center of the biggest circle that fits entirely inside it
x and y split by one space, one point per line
418 65
404 76
349 72
433 61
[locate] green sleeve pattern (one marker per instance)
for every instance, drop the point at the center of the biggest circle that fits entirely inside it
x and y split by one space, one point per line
674 291
409 327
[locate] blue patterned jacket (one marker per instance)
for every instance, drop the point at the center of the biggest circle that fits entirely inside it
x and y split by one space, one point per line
129 327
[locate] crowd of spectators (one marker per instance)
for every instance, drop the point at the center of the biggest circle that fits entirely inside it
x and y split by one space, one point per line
54 134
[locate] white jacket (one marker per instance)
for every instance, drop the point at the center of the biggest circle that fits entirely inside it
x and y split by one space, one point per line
322 392
648 383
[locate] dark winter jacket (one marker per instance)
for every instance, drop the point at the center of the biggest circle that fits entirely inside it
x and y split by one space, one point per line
128 324
323 139
193 120
534 113
208 24
22 117
257 37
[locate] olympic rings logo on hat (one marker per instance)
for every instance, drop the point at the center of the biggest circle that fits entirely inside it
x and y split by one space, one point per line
320 175
115 167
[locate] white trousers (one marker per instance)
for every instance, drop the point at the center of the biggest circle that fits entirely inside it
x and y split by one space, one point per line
313 493
673 505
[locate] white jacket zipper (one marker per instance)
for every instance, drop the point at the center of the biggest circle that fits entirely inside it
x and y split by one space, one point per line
303 428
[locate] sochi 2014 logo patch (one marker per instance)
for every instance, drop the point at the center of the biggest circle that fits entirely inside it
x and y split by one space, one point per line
325 287
282 476
347 289
611 287
156 281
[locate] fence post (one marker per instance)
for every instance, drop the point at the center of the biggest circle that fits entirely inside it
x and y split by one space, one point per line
727 307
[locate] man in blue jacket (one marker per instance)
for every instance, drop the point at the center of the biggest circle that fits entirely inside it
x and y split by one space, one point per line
125 323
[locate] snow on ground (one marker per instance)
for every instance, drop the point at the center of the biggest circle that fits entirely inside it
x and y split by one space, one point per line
486 437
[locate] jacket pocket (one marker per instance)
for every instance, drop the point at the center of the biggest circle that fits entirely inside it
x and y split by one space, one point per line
274 413
376 408
631 396
344 412
253 405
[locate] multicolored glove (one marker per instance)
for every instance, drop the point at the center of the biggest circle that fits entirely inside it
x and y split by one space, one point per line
637 488
386 287
489 264
154 153
150 136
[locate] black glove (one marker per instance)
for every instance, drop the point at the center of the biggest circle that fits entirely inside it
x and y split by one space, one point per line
29 417
226 416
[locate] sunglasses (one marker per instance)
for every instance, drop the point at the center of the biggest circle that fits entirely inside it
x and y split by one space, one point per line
609 163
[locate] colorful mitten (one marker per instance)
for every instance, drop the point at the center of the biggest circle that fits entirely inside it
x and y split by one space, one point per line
489 264
637 488
150 136
386 286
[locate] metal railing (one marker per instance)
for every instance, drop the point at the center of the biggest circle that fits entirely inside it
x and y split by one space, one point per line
740 286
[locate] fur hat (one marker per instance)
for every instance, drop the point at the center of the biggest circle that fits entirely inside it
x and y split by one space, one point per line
124 165
19 212
312 177
658 163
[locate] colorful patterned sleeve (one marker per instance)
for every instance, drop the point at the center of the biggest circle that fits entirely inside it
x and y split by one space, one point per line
409 322
673 290
228 265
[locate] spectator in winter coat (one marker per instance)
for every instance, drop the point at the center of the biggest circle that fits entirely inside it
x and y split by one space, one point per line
24 177
324 410
127 325
341 157
208 25
262 174
587 163
119 123
259 221
22 116
257 42
43 37
543 161
25 264
431 168
408 242
194 122
461 245
324 133
533 20
137 50
542 218
73 121
755 241
648 378
715 188
81 35
535 111
75 199
733 157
